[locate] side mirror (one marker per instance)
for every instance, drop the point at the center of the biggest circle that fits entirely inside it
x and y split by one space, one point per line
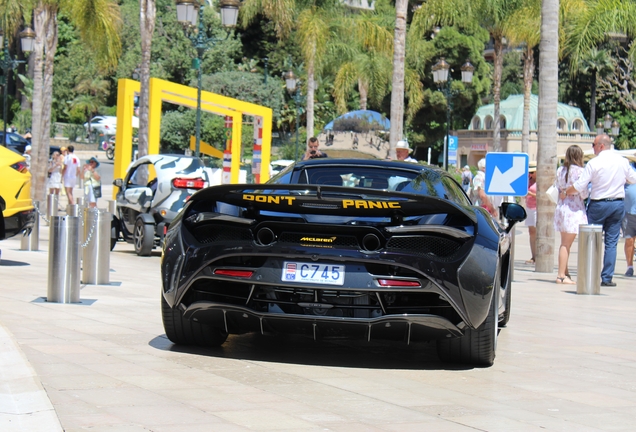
118 182
514 213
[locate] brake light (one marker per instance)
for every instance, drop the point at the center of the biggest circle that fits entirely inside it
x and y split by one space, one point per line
234 273
20 167
398 283
185 183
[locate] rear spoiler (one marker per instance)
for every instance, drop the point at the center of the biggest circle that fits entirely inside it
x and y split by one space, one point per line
330 200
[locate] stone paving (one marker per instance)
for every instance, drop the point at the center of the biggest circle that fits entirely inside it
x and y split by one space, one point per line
565 362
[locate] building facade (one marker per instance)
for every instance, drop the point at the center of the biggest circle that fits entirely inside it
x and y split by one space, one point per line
474 143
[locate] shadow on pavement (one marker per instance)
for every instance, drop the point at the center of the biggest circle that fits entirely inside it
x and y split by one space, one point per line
9 263
305 351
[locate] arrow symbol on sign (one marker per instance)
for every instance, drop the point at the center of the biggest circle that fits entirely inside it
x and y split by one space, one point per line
502 182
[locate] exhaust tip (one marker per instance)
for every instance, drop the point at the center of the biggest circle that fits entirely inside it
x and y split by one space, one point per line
265 237
371 242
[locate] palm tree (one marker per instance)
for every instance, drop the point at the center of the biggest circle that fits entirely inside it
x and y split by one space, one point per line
595 22
314 31
523 28
93 92
598 64
546 153
362 57
489 14
397 90
98 24
147 16
87 103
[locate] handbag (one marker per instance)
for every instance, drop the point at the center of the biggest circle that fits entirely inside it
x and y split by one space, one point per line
97 191
553 194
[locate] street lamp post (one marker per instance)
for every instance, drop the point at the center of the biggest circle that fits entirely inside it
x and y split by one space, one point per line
441 77
293 87
188 13
27 37
608 124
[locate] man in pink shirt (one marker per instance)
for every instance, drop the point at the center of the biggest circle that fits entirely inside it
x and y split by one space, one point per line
607 173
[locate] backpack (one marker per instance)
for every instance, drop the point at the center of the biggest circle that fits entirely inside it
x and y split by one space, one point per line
465 180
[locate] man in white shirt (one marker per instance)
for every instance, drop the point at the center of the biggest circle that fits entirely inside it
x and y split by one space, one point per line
607 172
402 151
70 173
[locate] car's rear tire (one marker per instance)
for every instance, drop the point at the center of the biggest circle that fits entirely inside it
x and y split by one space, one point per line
182 331
143 238
477 347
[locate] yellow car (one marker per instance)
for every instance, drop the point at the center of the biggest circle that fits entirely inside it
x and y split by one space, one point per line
15 191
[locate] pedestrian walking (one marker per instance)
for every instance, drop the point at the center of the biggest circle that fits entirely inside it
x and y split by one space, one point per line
70 173
531 210
55 174
92 182
570 209
607 173
629 227
467 178
479 189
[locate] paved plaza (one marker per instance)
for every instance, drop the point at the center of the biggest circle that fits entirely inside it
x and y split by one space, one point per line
565 362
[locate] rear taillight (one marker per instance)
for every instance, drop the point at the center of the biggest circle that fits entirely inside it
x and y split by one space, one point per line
234 273
185 183
20 167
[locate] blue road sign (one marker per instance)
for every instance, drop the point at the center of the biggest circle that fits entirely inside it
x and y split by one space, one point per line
452 150
507 174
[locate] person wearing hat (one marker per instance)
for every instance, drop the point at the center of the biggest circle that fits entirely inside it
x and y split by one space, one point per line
402 151
92 182
531 210
467 178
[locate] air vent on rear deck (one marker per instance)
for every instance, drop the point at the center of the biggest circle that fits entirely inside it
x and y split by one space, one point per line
439 248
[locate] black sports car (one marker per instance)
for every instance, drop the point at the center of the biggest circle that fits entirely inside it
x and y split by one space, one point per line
341 247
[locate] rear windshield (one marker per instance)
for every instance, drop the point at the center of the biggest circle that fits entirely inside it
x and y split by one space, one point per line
426 182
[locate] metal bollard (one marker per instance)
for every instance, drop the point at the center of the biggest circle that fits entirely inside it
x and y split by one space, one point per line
52 201
31 241
79 201
588 278
96 254
73 210
64 260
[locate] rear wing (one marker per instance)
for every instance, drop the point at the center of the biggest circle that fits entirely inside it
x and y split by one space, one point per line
329 200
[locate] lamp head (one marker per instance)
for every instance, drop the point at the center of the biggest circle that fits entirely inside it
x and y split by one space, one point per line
291 81
187 11
27 39
467 72
599 128
607 121
229 12
440 71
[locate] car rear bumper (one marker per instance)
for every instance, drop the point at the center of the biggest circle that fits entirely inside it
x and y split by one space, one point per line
19 222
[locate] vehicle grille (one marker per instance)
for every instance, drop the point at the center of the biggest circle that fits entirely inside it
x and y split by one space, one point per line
439 248
215 233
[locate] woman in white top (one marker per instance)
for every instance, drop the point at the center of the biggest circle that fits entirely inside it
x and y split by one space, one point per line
55 174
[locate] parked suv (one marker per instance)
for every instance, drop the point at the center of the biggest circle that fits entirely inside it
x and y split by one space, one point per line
151 195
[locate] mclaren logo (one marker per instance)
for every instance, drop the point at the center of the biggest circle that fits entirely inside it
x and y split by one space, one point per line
318 239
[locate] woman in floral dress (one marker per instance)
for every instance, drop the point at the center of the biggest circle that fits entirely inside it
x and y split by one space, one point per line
570 209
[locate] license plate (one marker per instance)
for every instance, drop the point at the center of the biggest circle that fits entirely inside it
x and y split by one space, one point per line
326 274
